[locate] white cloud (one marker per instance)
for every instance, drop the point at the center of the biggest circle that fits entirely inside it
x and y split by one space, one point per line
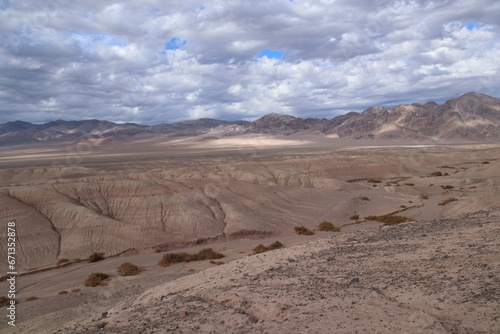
103 60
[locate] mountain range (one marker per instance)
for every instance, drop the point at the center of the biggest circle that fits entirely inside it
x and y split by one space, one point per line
470 117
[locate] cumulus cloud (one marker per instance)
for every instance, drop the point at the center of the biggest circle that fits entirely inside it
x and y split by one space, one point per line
163 61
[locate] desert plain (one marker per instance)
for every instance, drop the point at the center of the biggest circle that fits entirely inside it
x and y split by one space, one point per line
437 272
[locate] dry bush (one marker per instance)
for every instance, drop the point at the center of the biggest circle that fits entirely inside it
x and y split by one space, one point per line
389 219
75 290
328 227
128 269
31 298
447 187
204 254
301 230
219 263
485 162
208 254
409 184
95 279
436 174
424 196
95 257
4 301
64 292
449 200
373 181
261 248
354 217
61 261
364 198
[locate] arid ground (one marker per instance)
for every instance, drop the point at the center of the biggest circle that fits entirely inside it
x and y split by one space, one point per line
437 273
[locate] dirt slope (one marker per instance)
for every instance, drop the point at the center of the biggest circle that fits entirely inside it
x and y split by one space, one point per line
440 276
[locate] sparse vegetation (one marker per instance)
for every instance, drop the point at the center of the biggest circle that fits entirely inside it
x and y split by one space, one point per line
301 230
354 217
389 219
216 262
409 184
402 206
447 187
436 174
261 248
328 227
449 200
364 198
75 290
4 301
61 261
95 257
485 162
64 292
424 196
373 181
95 279
204 254
128 269
31 298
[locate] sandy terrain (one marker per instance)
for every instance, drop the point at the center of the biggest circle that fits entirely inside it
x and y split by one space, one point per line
131 201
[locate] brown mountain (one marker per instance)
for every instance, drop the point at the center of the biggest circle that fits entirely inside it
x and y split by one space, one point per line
472 116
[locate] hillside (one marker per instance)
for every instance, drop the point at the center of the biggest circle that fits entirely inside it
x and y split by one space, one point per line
470 117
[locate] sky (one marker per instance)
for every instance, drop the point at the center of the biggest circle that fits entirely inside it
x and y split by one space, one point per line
157 61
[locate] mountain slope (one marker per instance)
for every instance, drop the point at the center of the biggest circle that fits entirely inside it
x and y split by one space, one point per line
472 116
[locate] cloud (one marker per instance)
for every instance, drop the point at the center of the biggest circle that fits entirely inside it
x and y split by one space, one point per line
163 61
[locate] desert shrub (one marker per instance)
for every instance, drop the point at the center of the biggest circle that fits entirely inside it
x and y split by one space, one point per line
449 200
64 292
95 257
31 298
95 279
217 262
328 227
208 254
485 162
128 269
75 290
402 206
4 301
364 198
447 187
354 217
409 184
389 219
301 230
204 254
436 174
61 261
424 196
261 248
373 181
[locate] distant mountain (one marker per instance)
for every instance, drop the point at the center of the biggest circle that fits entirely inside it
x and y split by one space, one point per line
19 132
470 117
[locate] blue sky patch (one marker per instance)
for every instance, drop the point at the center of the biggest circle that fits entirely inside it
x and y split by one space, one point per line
174 44
472 25
271 54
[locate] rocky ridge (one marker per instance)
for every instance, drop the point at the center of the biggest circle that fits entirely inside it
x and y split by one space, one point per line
470 117
439 276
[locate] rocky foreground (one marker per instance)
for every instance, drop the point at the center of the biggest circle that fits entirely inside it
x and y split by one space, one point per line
440 276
